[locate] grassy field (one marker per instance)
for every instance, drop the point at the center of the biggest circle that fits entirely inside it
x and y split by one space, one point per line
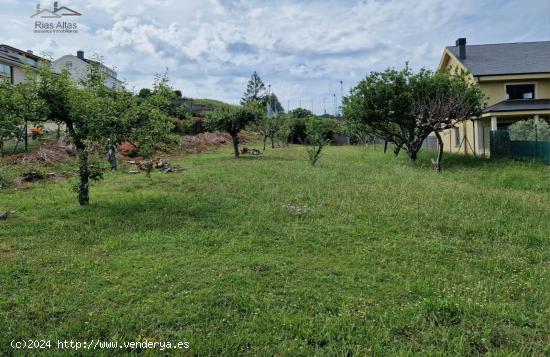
386 259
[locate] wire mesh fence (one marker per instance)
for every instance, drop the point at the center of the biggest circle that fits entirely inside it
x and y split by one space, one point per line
528 145
430 143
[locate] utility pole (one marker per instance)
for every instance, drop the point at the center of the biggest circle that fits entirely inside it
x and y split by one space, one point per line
269 109
335 109
325 105
288 106
341 96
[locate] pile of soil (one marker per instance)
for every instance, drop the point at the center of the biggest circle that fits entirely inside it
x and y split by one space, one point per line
54 152
209 141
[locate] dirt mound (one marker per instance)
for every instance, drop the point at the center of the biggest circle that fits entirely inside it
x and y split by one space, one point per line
208 141
50 153
127 149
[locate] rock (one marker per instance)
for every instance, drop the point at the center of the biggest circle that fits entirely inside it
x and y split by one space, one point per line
134 172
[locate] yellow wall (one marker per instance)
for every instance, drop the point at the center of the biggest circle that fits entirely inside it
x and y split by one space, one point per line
494 86
496 90
451 64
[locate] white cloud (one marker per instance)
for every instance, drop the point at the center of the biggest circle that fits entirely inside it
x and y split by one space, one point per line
303 48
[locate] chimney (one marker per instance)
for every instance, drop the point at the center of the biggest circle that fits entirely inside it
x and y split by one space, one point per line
80 54
38 7
55 7
461 44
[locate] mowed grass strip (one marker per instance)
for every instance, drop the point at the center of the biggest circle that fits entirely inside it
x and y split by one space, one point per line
382 257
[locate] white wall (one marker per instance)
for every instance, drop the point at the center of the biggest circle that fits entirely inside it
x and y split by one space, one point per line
79 70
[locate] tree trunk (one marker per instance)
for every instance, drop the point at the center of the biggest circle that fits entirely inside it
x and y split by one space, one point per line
272 142
385 146
84 171
397 150
1 146
235 139
440 151
26 138
413 154
16 146
265 141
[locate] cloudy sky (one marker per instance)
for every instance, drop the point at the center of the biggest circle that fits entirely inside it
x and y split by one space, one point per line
303 48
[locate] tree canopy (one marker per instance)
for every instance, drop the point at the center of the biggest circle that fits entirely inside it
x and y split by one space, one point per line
97 115
233 119
403 107
300 113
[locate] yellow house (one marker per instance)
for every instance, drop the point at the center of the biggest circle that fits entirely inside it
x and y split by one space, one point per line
515 77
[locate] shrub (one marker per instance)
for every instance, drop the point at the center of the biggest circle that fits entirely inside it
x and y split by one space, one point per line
319 133
525 130
297 130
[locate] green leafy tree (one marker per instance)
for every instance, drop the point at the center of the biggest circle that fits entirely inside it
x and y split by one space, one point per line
403 107
285 130
144 93
148 124
232 120
269 128
528 130
297 125
95 114
300 113
18 105
359 132
255 91
319 133
9 122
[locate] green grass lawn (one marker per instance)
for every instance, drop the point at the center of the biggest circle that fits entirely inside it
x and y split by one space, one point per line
388 259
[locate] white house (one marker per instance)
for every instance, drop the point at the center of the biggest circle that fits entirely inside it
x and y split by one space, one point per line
78 67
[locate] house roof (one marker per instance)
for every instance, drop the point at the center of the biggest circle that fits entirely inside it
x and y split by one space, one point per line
520 105
506 58
26 53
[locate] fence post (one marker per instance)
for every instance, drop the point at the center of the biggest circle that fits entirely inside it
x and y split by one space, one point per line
536 140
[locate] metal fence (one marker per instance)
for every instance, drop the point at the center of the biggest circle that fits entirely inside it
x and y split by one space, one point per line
430 143
502 146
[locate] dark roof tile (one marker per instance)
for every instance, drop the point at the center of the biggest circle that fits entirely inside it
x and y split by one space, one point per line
520 105
506 58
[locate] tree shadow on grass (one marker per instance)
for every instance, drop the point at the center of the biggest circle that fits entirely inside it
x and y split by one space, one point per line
107 218
264 157
453 162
